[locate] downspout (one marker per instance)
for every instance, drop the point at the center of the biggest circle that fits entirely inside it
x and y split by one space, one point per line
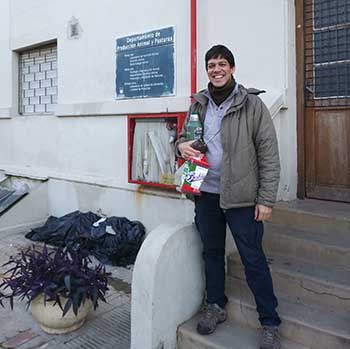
193 46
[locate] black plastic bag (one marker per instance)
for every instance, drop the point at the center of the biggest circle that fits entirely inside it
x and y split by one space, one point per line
113 240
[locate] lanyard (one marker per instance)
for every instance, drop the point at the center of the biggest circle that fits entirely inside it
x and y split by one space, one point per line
213 136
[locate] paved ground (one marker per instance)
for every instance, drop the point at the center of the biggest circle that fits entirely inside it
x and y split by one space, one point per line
107 327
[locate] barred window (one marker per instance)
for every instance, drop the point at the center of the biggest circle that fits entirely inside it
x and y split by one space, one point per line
38 80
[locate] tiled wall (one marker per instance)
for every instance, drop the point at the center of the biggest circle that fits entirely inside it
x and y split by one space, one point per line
38 80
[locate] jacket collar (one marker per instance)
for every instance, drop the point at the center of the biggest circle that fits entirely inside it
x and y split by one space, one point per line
238 102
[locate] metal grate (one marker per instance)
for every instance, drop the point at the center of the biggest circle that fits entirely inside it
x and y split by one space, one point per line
110 331
9 197
327 52
38 80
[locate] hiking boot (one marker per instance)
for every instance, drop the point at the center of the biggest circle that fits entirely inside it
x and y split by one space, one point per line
270 338
211 315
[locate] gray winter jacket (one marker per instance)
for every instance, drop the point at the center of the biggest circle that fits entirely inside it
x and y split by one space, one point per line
250 163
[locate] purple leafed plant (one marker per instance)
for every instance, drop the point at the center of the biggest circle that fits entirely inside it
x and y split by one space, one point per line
57 274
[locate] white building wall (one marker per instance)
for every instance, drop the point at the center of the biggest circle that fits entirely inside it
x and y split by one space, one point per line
261 36
93 148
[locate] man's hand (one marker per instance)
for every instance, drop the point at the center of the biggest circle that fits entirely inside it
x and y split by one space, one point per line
262 213
186 150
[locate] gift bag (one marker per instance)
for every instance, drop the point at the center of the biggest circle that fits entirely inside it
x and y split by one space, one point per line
194 171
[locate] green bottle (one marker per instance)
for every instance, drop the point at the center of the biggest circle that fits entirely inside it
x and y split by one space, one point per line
194 128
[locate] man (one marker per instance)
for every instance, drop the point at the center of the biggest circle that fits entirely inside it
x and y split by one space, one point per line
239 189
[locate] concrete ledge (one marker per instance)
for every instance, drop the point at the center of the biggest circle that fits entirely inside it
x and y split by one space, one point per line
6 113
124 107
167 285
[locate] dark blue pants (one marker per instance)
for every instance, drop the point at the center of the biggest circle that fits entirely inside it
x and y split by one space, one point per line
247 232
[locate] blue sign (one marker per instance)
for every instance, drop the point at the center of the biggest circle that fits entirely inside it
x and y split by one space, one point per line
145 64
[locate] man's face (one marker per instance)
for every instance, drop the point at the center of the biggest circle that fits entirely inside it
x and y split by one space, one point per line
219 71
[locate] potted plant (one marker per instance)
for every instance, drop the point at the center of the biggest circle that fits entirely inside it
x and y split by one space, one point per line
60 285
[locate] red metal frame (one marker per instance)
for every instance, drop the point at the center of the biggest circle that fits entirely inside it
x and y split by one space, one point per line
180 117
193 46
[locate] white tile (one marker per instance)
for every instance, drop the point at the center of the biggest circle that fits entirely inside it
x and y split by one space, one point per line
28 93
29 77
51 74
40 76
40 108
25 85
45 66
25 70
50 108
45 83
29 109
25 101
34 100
34 84
40 92
34 68
54 99
54 82
45 99
51 91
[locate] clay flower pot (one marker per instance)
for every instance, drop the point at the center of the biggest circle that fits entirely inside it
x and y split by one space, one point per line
62 274
50 318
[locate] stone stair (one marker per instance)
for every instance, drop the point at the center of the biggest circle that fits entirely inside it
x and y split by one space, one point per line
230 334
307 244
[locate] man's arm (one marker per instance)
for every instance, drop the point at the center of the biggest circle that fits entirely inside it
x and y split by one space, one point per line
268 161
182 136
182 146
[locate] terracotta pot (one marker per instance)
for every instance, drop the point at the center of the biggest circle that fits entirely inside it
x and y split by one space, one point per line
50 318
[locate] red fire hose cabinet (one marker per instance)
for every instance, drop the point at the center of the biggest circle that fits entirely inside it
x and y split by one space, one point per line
151 148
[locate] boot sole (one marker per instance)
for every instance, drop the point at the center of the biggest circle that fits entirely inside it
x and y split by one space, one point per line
206 332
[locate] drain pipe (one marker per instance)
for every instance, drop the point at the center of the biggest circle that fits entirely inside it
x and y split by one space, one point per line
193 46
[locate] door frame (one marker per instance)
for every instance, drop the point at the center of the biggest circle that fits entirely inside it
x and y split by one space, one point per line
300 96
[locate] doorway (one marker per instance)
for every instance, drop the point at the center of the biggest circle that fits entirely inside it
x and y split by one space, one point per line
323 85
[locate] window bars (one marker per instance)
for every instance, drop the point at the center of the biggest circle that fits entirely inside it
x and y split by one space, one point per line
327 53
38 80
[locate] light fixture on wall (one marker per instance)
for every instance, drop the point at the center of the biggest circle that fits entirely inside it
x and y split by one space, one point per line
74 29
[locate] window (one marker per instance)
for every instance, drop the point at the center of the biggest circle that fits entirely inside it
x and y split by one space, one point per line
327 52
38 80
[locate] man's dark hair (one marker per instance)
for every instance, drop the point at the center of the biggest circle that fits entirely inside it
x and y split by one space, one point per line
220 51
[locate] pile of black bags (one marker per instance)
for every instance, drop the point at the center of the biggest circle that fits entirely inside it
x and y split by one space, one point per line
112 240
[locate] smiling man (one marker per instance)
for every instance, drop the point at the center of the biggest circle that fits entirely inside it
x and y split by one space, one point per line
239 190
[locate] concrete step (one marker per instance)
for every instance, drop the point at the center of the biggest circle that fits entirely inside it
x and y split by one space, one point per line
228 335
313 215
311 326
302 281
318 248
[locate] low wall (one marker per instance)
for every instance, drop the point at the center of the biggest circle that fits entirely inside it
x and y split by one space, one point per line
30 212
167 285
